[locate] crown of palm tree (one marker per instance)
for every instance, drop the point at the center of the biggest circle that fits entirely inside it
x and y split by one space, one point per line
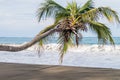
73 19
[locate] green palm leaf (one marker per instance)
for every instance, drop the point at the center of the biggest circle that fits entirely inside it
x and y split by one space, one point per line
49 8
94 14
87 6
103 32
65 40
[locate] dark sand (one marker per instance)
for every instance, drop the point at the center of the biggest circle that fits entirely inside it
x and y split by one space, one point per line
42 72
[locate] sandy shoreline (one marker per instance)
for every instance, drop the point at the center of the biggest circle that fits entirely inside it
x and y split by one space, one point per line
9 71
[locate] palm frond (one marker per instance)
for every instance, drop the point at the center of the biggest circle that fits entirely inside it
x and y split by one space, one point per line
72 7
94 14
87 6
109 14
61 16
65 41
49 8
103 32
73 10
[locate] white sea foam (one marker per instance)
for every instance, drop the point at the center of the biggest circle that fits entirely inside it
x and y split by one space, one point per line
80 48
83 55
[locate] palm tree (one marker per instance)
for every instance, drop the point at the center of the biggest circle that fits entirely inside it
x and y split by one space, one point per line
69 22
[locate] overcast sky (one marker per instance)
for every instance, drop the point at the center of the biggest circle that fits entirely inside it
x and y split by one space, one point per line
18 17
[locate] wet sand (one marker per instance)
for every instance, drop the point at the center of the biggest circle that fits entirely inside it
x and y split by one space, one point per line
10 71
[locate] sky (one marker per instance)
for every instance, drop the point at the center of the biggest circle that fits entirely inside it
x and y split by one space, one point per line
18 17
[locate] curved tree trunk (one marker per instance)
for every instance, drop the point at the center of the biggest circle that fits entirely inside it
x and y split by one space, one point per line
27 45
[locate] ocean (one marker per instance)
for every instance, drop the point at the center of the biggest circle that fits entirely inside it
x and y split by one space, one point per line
87 55
20 40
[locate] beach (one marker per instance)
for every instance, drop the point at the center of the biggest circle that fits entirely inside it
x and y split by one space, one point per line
49 72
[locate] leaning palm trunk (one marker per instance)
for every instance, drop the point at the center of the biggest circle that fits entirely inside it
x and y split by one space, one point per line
27 45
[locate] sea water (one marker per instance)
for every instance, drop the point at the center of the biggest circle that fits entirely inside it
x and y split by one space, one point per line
20 40
89 54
